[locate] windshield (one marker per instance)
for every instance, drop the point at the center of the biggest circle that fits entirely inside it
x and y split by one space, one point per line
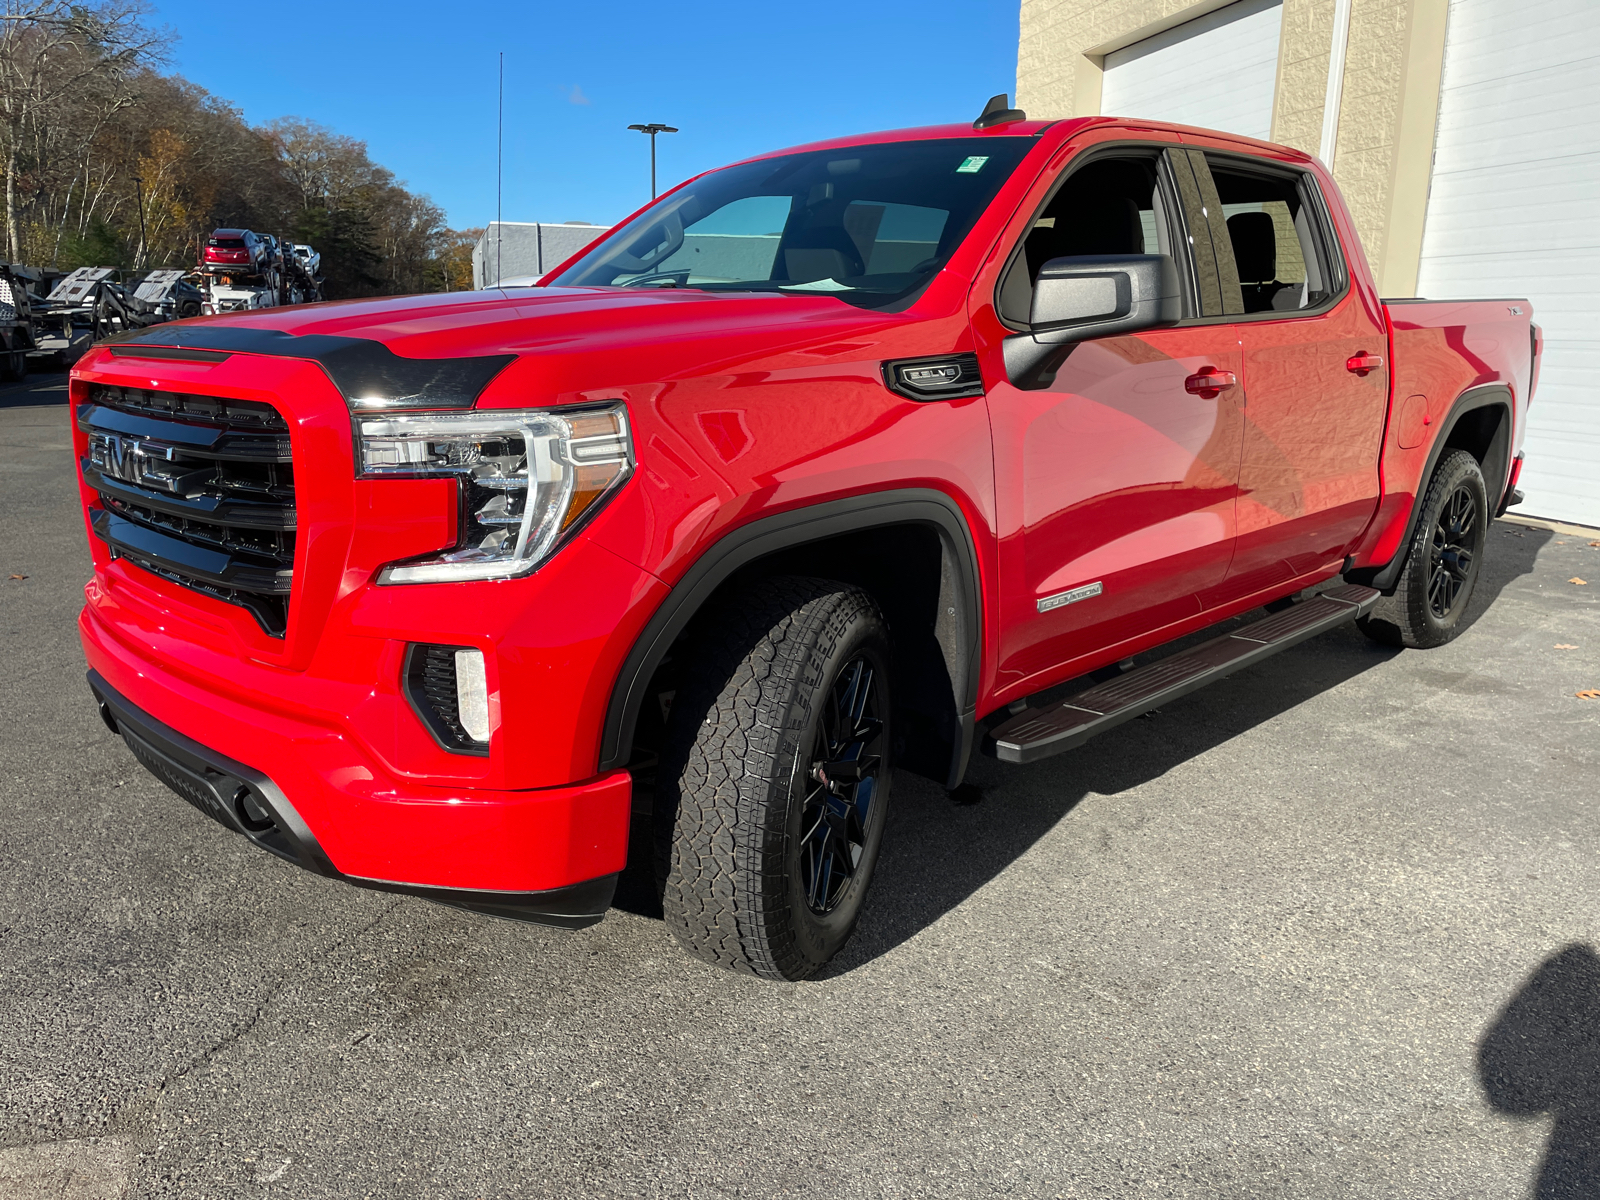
869 224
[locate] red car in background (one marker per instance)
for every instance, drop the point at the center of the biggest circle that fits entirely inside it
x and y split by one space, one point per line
238 248
826 466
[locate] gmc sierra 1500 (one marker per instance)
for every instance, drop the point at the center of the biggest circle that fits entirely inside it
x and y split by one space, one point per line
819 466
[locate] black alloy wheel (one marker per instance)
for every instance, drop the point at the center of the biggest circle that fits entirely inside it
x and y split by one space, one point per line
1443 560
1454 553
773 786
843 783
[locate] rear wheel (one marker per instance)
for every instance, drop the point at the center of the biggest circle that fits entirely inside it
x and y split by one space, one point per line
774 785
1444 561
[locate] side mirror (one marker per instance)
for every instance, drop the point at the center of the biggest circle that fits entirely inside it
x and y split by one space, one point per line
1090 296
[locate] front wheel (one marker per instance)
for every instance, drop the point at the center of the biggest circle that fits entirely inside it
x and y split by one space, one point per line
1444 561
775 778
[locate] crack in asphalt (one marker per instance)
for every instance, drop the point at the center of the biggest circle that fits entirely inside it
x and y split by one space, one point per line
206 1056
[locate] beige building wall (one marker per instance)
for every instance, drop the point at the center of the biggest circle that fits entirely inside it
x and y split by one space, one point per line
1303 51
1388 108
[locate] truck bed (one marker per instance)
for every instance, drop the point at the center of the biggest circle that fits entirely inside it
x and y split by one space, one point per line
1440 349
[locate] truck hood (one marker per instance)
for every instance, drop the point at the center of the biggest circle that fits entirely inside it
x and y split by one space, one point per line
563 340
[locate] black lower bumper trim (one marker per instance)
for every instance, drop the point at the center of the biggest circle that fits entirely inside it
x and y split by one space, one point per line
240 797
248 802
571 907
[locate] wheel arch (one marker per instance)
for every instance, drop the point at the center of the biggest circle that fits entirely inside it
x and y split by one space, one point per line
940 633
1479 422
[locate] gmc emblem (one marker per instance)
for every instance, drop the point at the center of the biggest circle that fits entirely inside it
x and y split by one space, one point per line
119 457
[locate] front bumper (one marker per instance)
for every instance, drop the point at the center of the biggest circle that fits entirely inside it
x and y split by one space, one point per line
576 828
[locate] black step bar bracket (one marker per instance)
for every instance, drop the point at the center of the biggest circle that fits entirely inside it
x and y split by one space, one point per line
1067 724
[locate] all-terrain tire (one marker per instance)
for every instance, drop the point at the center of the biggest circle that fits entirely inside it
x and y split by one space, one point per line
1443 561
737 806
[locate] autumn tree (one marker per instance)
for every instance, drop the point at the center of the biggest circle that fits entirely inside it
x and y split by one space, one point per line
109 162
50 49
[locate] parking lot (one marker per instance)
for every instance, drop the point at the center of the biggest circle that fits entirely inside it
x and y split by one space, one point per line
1328 928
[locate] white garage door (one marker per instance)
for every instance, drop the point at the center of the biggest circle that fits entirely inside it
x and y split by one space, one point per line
1218 71
1515 211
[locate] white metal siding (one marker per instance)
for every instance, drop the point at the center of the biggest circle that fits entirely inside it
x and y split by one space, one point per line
1515 211
1218 71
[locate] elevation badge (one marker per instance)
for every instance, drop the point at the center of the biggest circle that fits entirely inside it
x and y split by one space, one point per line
1062 599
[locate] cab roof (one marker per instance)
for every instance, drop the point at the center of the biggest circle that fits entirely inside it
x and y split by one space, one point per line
921 133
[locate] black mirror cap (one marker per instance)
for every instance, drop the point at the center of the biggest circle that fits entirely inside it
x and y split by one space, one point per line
1091 296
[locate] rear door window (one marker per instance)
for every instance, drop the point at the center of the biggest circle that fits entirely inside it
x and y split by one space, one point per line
1271 238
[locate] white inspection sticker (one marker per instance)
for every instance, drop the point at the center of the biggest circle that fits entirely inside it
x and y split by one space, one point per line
1062 599
972 165
817 285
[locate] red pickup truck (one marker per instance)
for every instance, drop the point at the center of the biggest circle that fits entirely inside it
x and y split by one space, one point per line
823 464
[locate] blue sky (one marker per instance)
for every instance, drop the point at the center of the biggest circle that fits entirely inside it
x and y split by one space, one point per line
417 83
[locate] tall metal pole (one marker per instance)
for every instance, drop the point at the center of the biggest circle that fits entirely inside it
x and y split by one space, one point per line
652 129
499 169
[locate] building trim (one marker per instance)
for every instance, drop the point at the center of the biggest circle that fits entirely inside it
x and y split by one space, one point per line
1337 50
1412 165
1171 20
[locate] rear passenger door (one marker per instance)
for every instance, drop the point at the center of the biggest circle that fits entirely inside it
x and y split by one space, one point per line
1315 381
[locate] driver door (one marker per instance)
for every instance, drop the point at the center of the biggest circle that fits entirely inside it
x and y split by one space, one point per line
1116 480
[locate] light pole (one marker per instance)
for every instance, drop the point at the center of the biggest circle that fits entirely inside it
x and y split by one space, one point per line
652 129
138 188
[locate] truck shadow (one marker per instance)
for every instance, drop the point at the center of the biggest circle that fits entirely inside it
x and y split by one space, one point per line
36 391
1542 1056
942 847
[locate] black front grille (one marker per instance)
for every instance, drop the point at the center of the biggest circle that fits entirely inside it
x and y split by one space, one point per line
198 490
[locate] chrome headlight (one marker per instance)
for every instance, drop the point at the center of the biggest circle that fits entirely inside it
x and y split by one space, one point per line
527 478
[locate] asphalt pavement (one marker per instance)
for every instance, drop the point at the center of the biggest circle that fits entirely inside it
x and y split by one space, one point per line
1326 929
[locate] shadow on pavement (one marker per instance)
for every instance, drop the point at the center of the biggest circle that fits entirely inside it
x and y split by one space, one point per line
1542 1056
1511 553
36 390
942 847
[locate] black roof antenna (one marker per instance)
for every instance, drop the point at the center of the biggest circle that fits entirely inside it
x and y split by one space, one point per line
996 112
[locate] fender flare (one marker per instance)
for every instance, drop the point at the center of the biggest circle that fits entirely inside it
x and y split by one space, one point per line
1485 395
960 638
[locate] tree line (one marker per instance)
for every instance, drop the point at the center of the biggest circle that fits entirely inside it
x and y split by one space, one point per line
108 161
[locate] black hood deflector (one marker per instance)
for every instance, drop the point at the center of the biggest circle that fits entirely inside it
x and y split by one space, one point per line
371 376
